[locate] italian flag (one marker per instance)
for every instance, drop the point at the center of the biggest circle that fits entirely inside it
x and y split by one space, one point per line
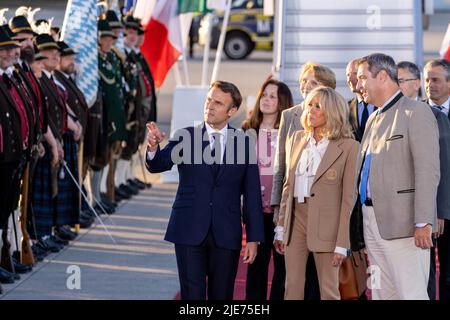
445 47
162 43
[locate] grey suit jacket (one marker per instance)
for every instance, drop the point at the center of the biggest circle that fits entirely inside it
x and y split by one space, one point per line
404 171
289 124
443 194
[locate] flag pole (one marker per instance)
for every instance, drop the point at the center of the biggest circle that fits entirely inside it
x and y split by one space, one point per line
221 42
206 50
66 18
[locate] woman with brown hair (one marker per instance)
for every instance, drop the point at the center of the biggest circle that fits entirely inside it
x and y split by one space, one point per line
318 195
274 96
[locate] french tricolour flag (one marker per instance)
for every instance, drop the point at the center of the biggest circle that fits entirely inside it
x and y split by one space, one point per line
162 44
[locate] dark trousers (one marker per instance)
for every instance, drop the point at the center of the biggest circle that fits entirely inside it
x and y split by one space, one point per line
206 261
443 245
8 190
257 272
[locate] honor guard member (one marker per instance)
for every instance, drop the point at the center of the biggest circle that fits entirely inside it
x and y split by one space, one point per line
77 105
136 115
56 198
110 86
15 135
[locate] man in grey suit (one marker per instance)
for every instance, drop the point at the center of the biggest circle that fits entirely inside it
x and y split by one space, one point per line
312 75
398 183
437 85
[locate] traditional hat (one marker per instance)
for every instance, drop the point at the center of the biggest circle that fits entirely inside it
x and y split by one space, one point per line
8 31
6 42
104 30
114 21
131 23
45 41
65 49
20 24
38 55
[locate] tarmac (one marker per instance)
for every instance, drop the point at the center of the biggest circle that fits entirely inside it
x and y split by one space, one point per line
140 266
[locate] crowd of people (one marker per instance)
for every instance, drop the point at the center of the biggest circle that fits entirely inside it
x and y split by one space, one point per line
322 187
54 146
340 190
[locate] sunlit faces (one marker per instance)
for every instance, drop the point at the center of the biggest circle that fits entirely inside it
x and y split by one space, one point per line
269 100
53 58
37 67
308 83
131 37
67 64
367 85
351 73
7 57
26 46
409 85
316 117
436 85
105 43
217 108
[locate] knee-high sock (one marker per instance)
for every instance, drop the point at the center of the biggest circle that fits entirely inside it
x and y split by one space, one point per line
103 180
12 233
96 180
121 172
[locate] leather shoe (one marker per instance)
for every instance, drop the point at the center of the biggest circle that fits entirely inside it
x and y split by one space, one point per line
86 222
105 200
134 189
39 253
147 185
59 241
122 195
128 189
5 276
21 268
47 246
140 186
65 233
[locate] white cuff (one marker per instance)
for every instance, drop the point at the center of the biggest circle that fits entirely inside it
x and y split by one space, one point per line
279 233
341 250
150 155
421 225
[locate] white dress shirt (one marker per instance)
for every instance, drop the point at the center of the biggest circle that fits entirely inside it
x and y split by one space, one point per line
445 106
307 167
9 71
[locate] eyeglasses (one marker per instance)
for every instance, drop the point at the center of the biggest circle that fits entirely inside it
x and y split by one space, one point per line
400 81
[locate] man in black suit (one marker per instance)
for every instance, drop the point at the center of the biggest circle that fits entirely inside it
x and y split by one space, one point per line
437 86
217 165
359 110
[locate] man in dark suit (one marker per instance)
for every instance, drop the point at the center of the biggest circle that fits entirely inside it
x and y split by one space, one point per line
437 85
217 165
359 110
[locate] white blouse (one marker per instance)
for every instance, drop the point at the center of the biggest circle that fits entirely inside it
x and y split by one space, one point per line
307 167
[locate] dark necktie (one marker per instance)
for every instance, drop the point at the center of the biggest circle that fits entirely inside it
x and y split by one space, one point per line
25 67
364 117
216 149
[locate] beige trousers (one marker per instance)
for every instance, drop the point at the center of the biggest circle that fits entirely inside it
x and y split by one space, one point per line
398 269
296 256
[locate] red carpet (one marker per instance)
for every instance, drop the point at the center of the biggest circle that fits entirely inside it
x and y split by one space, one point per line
239 285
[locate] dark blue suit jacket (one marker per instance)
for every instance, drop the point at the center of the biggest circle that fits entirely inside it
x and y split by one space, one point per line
207 200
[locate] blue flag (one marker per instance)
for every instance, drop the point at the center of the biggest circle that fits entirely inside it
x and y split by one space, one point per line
79 31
